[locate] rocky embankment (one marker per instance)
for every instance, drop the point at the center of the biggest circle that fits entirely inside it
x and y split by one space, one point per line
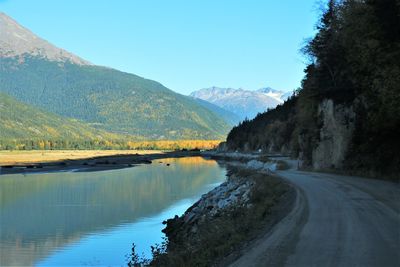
235 192
229 215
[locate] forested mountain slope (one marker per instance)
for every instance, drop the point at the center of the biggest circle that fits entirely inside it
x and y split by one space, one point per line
42 75
23 122
230 117
346 115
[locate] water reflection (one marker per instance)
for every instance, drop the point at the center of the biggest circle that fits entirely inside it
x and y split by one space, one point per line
64 213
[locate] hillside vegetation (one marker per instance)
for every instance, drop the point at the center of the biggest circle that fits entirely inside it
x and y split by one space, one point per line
230 117
21 121
38 73
108 99
24 127
345 115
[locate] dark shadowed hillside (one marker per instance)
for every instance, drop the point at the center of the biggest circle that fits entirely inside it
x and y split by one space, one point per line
345 116
270 131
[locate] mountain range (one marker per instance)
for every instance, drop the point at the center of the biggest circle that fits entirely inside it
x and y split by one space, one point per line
24 122
243 103
39 74
15 40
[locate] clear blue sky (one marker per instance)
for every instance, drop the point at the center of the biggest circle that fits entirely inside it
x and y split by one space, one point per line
185 45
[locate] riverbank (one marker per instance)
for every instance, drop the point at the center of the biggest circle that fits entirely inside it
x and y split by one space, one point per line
217 227
19 157
82 161
293 219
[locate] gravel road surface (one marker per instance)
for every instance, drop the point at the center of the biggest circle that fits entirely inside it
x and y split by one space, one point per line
336 221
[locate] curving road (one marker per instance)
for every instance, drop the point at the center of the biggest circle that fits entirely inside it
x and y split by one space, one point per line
336 221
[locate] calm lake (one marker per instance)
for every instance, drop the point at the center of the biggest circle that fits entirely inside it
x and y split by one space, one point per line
92 218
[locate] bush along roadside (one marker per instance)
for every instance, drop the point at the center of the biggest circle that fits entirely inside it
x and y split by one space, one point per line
225 219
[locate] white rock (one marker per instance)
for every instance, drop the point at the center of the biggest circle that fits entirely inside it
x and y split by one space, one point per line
255 164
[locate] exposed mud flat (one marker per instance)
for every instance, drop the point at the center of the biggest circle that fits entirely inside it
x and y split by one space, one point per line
94 163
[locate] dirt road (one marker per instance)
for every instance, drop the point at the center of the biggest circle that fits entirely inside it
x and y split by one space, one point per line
336 221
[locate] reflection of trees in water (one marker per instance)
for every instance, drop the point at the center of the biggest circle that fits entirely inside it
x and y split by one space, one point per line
27 253
41 211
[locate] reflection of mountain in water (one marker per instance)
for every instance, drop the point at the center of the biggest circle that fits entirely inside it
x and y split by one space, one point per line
42 212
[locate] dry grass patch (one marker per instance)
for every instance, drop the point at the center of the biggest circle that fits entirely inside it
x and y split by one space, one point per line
35 156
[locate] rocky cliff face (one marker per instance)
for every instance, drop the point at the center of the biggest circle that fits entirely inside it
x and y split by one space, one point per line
321 140
335 135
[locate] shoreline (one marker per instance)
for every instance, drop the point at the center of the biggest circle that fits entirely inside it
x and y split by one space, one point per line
230 217
97 163
238 198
